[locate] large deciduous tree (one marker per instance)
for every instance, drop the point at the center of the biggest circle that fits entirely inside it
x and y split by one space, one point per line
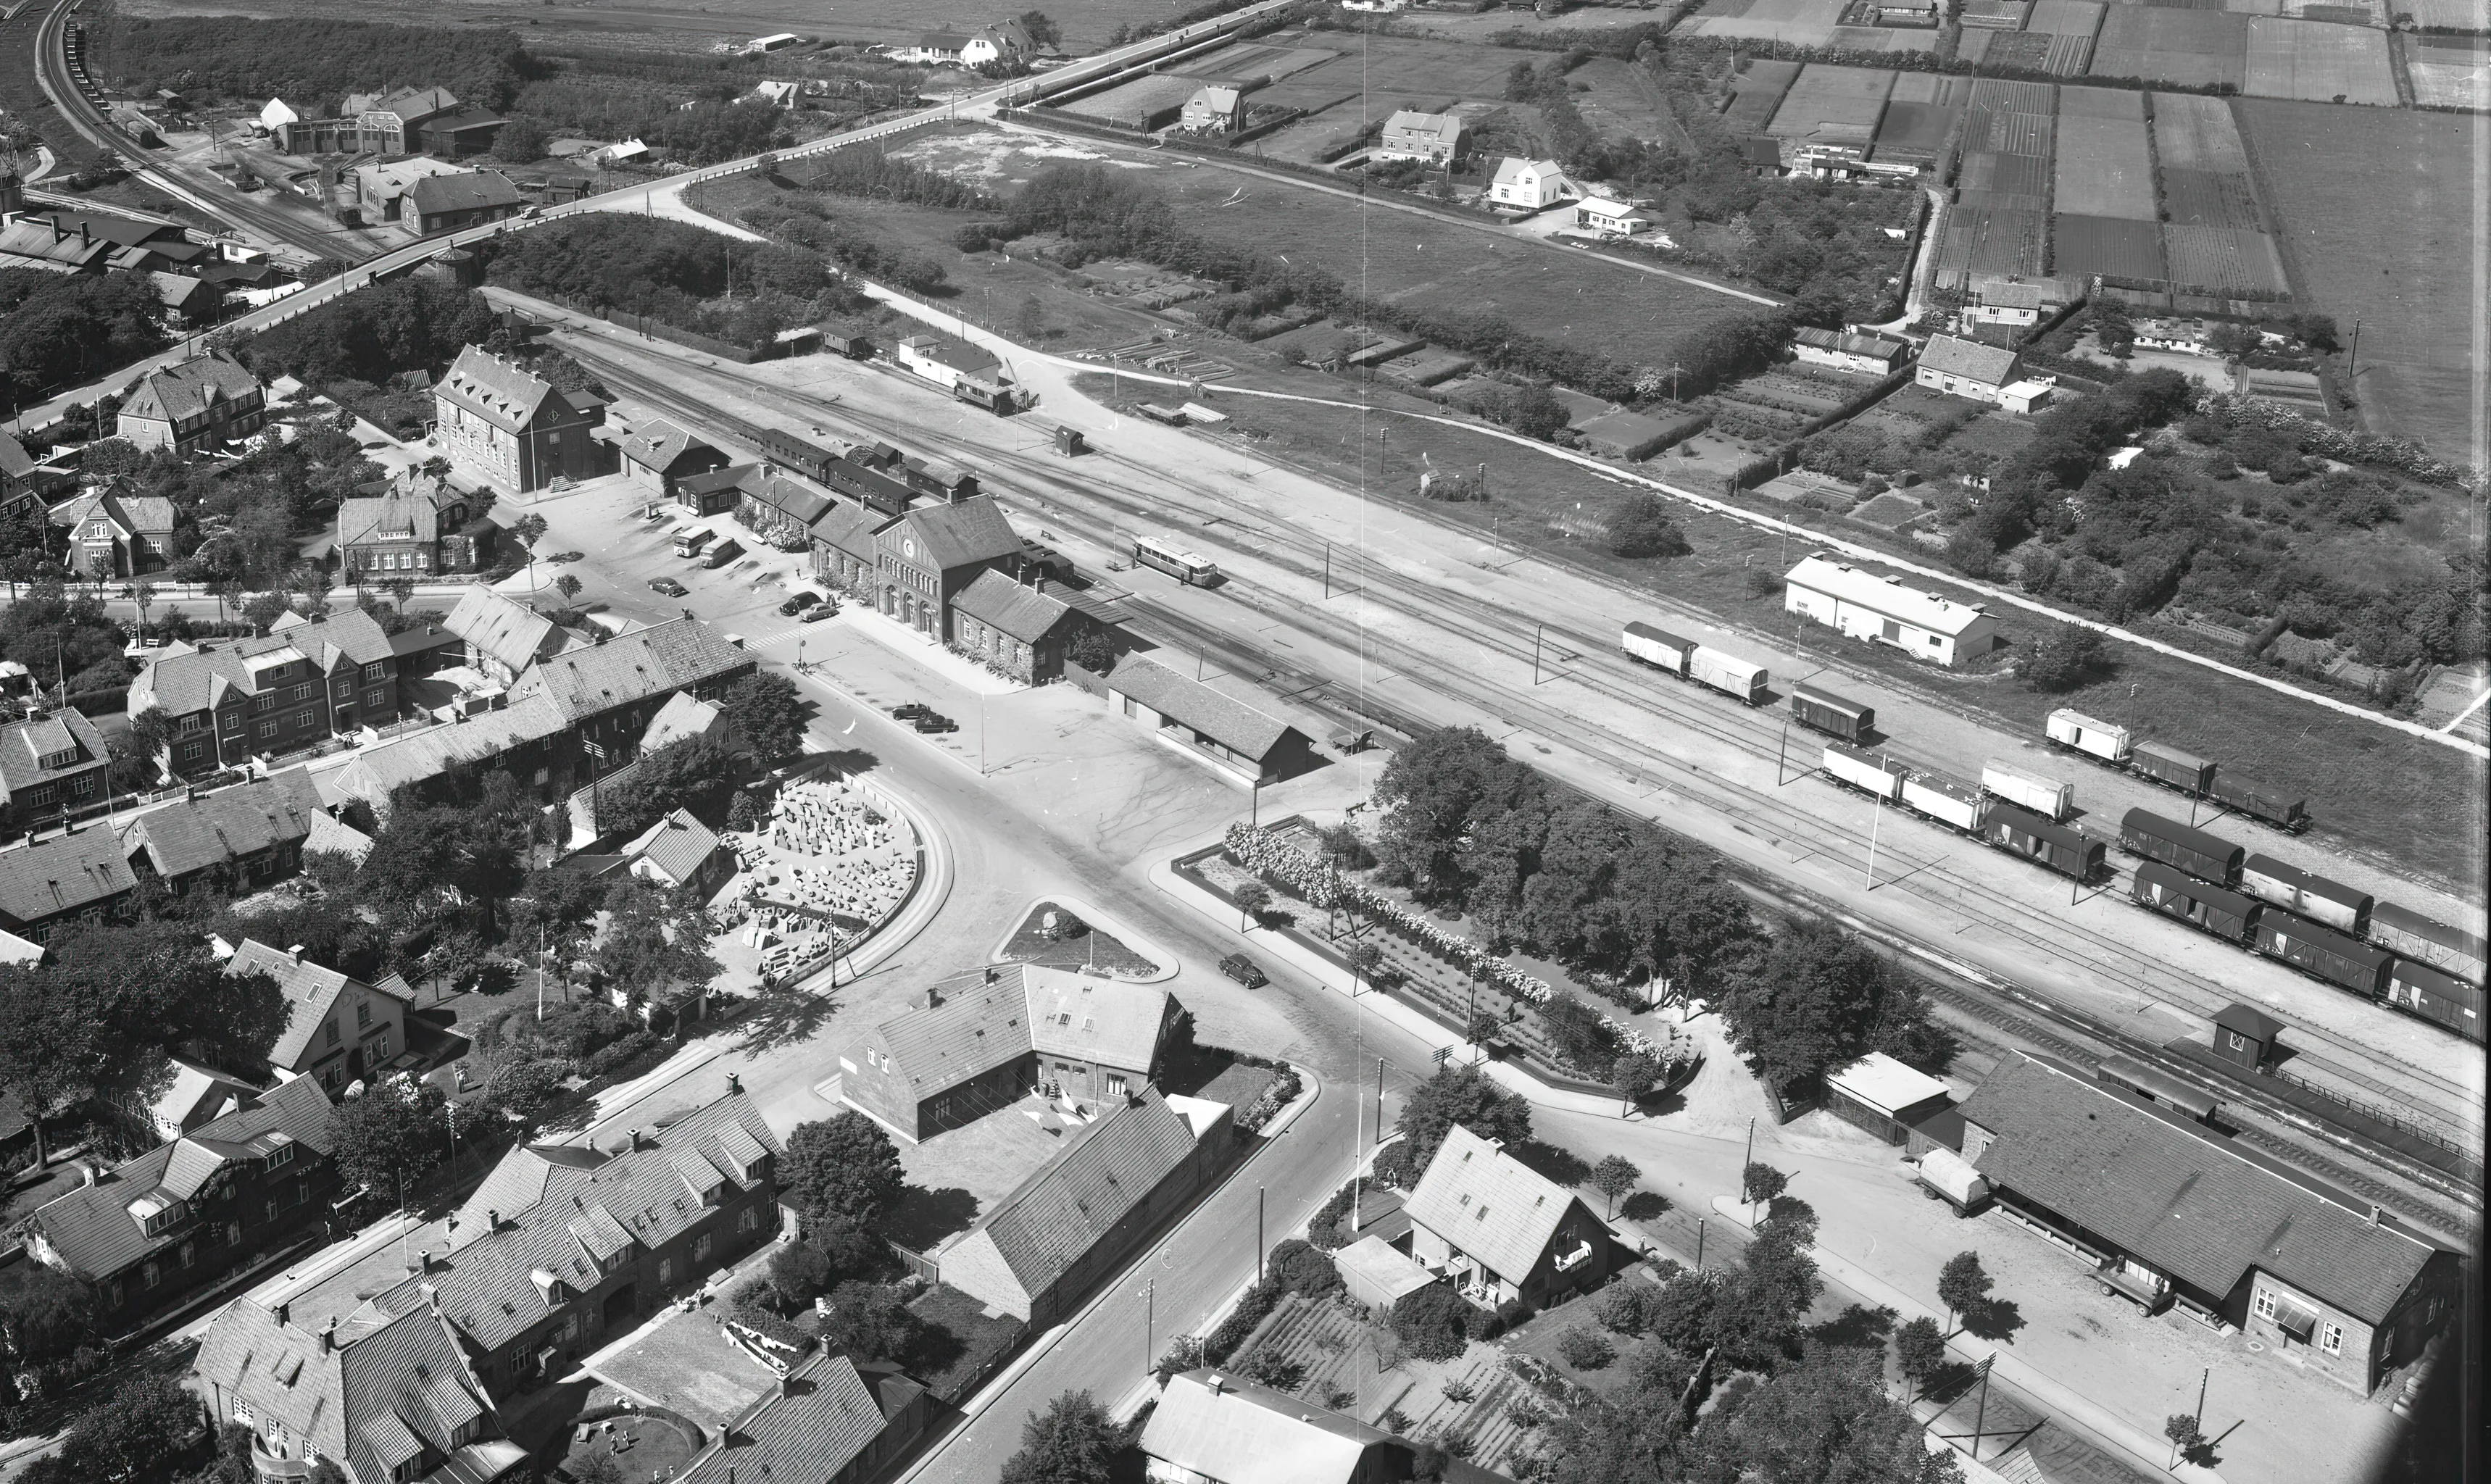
1817 1000
1072 1441
769 713
1453 1095
385 1140
841 1171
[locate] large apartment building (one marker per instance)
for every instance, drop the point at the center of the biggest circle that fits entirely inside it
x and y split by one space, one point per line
507 426
305 680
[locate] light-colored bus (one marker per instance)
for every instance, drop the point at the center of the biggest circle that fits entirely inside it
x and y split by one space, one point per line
1184 567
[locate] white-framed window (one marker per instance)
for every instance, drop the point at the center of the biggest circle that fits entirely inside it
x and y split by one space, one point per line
2237 1041
40 794
263 702
665 1270
2330 1339
303 693
189 1253
192 752
328 1033
364 1016
268 728
270 1208
151 1275
84 785
375 672
1115 1086
372 700
302 1191
700 1248
749 1220
2264 1303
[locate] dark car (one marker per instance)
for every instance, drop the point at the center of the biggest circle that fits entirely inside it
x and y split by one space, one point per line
1238 967
907 710
668 586
934 721
798 602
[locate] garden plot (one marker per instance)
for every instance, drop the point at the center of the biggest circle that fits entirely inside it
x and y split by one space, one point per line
2195 133
1776 405
2111 246
1799 22
2011 118
2448 72
1992 240
1833 104
1884 39
1915 132
2106 166
2318 62
2223 260
1755 96
1245 64
2206 199
2186 49
2065 17
1989 174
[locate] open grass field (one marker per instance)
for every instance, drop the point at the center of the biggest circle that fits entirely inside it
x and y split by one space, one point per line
1403 71
1833 104
1085 23
2447 14
2186 49
2105 165
2319 63
1799 22
2448 72
2065 17
1623 99
2356 190
2196 133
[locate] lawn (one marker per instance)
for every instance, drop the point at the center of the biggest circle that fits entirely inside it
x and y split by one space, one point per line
1092 948
2356 189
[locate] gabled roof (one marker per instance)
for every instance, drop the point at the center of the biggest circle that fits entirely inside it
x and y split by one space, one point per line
796 502
310 990
370 1398
24 744
414 102
677 654
966 1032
502 395
385 516
195 833
1489 1204
387 180
134 515
1408 123
91 1228
677 846
1216 100
824 1415
1932 611
685 717
505 630
1026 613
1226 719
467 190
63 874
463 119
662 446
190 388
952 351
851 529
379 772
959 535
1106 1022
14 461
1953 356
196 678
1850 343
1513 167
1216 1427
2180 1196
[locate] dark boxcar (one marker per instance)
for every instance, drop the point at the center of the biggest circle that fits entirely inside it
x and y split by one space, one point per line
2028 834
2412 936
2183 770
2208 857
1827 711
2245 796
2324 952
2315 897
2227 914
2435 996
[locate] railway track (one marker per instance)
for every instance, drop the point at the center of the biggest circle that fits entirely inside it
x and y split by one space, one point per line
1588 663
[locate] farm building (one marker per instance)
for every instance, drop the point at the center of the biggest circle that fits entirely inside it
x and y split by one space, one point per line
1960 367
1884 1097
1848 350
1530 184
2171 1212
1409 134
1861 605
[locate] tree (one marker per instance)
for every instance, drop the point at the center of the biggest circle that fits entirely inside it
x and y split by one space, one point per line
1641 527
2062 656
1634 1074
1031 321
655 942
692 774
1818 999
843 1170
1043 31
2185 1435
1253 900
1761 1182
524 1091
528 530
1963 1286
1073 1441
1436 792
151 1425
1457 1096
1828 1417
870 1322
45 1316
1613 1177
1094 649
568 586
1534 412
1432 1321
520 141
1920 1351
769 713
388 1137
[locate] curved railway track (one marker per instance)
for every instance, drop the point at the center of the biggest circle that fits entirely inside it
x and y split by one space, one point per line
1589 662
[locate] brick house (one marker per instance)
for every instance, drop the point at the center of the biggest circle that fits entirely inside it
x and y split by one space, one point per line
411 530
450 203
304 681
503 637
203 402
777 509
338 1027
971 1048
1024 629
844 1419
1244 745
188 1214
845 555
659 456
25 481
69 877
1848 350
381 186
2171 1212
237 839
607 692
1214 111
1409 134
928 557
1501 1230
1961 367
50 766
391 123
509 428
112 535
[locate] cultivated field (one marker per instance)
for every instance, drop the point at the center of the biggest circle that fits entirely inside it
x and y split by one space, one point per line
1799 22
1085 23
2223 260
2319 63
2353 189
2186 49
2113 246
2213 238
2448 72
2194 132
1755 96
1833 104
2105 164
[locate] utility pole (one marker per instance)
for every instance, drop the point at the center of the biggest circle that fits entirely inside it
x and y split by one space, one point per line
1378 1101
1327 572
1874 819
1150 1297
1699 1244
1980 1414
1538 632
1745 1160
1258 1254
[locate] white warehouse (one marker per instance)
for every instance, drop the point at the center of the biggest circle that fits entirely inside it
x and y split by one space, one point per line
1863 605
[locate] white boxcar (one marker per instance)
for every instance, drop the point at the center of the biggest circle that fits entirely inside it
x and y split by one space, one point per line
1657 648
1947 800
2075 729
1727 672
1865 771
2048 798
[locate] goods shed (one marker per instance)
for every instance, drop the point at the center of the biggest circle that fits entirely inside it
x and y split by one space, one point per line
1884 1097
1861 605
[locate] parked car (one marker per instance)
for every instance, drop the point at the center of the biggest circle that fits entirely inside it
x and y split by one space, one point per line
934 722
1244 969
798 602
818 612
560 557
668 586
909 711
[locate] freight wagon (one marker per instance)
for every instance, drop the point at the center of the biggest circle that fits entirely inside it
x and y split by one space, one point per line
2425 990
2243 796
2417 939
2315 897
2186 772
1948 801
1865 771
2322 952
1727 673
1826 711
2080 733
811 460
2206 857
1657 648
2227 914
2048 798
2028 834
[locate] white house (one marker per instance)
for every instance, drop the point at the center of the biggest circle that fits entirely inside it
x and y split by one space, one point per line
1610 218
1003 41
777 95
277 115
2028 395
1848 350
1960 367
1530 184
776 40
1863 605
2017 302
1215 111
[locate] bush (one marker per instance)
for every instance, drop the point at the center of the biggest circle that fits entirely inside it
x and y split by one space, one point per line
2061 657
1302 1268
1619 1308
1432 1322
625 1055
1585 1348
1642 528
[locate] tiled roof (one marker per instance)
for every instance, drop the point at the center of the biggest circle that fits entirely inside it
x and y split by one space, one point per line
820 1420
966 1032
678 845
310 991
1053 1219
493 388
1510 169
1104 1021
2178 1195
466 191
337 838
1215 99
385 182
1226 719
1243 1434
685 717
63 874
674 656
379 772
851 529
190 388
134 515
1444 128
463 119
191 681
1026 613
657 445
417 102
781 493
1850 343
364 520
92 1229
1952 356
1489 1204
505 630
730 477
14 461
24 744
372 1399
196 833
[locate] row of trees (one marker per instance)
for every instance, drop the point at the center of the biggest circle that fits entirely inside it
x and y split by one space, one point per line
64 329
311 62
743 293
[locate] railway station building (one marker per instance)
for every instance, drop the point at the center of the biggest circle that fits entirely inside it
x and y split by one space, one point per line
1238 742
1860 604
2170 1212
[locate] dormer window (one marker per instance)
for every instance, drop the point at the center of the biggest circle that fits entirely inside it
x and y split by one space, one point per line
59 760
154 1213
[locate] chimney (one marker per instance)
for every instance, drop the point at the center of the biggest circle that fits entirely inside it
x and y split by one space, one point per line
283 1311
636 1135
432 1298
1216 1384
86 235
86 1171
295 953
2377 1214
734 1084
992 974
423 1260
329 1335
493 1220
57 232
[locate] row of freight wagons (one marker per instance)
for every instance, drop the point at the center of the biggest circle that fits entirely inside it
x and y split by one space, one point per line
1996 811
2193 775
1692 661
2373 973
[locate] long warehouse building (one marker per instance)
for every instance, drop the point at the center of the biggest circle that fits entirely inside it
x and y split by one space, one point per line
1863 605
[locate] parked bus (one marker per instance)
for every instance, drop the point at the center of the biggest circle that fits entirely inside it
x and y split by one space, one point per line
1184 565
687 543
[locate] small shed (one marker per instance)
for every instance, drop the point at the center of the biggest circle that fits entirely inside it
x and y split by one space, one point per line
2245 1034
1378 1274
1884 1097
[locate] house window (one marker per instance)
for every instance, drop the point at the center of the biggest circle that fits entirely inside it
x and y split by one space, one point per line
2264 1303
749 1220
364 1016
233 1234
242 1413
194 722
2330 1339
271 1205
150 1275
328 1033
375 672
263 702
665 1270
307 718
84 785
280 1156
380 1046
40 794
303 693
700 1248
2237 1041
302 1191
1115 1086
266 728
189 1253
372 700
